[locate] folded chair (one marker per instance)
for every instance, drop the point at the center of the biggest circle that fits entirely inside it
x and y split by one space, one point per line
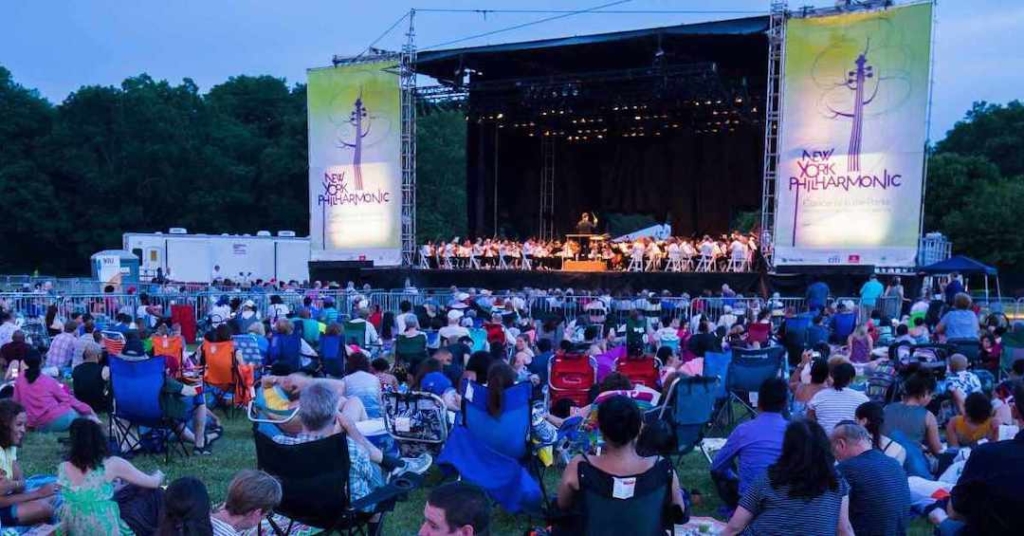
571 375
494 452
136 387
315 486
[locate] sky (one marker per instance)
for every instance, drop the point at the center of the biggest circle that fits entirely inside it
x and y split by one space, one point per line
59 46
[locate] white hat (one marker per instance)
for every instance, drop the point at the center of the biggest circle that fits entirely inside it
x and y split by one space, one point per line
727 309
249 303
462 296
454 314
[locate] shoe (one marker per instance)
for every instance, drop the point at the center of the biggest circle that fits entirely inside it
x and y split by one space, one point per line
205 451
418 465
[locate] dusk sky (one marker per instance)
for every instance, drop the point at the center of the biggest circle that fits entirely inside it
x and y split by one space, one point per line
57 47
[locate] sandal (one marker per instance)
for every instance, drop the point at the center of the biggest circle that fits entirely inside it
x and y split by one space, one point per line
202 451
212 438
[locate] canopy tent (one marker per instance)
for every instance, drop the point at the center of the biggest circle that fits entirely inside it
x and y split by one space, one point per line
966 266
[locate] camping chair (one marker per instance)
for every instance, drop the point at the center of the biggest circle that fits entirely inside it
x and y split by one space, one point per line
314 480
641 370
759 333
248 349
411 350
494 452
415 419
673 344
220 372
970 348
332 356
479 336
113 342
688 409
795 337
355 333
136 387
285 349
170 346
571 375
646 511
1013 349
748 369
271 406
844 324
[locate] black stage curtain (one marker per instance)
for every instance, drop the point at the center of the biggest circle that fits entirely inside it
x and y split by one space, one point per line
696 181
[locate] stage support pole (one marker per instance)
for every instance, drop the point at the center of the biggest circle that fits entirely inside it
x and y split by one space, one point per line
547 187
407 81
772 127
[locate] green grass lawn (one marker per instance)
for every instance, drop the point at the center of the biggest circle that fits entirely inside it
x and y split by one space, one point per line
41 453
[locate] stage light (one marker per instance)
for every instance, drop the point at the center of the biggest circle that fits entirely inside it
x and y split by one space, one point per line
501 116
637 118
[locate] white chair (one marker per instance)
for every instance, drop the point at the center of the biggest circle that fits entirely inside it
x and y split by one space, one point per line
447 261
675 262
526 264
502 263
738 264
474 262
706 263
424 261
636 262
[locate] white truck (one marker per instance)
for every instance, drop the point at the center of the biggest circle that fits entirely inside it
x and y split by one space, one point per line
191 258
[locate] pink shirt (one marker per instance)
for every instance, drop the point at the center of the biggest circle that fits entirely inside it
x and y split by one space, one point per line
45 400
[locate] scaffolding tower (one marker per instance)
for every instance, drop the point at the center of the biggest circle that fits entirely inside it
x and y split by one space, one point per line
407 76
547 187
773 115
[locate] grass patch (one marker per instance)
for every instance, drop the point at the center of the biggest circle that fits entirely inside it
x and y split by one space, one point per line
41 453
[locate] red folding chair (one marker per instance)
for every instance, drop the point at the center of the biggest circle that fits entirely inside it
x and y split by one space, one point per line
641 370
570 376
759 333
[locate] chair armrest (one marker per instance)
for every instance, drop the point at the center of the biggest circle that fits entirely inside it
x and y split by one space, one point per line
385 496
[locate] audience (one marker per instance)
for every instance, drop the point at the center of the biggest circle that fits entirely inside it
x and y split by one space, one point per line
456 508
186 510
47 403
252 495
989 497
961 322
879 500
619 421
89 379
974 425
838 403
911 418
87 483
802 489
18 505
804 392
871 416
752 446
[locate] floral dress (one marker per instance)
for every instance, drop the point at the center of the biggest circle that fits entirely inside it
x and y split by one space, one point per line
89 508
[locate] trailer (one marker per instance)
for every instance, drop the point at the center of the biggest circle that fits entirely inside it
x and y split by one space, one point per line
192 258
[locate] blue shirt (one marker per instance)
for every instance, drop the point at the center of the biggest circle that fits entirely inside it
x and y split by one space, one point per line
879 494
961 324
870 292
817 295
436 383
757 444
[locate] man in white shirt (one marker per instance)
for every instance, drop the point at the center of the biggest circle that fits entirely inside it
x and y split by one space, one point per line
453 331
727 319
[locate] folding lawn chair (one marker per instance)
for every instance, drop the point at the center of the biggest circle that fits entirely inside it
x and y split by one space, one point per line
570 376
748 369
314 480
641 370
136 387
688 410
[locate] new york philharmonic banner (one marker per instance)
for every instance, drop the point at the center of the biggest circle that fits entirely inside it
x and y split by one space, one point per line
355 170
855 104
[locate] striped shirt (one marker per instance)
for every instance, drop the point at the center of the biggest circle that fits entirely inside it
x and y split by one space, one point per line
775 512
221 528
831 406
62 348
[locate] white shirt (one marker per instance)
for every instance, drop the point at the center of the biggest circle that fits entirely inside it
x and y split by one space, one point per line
7 332
831 406
739 251
452 333
278 310
219 314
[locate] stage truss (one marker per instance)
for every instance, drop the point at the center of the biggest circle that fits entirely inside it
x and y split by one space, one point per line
407 81
773 115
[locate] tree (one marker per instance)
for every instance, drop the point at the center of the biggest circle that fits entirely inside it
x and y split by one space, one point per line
985 225
951 179
440 176
994 131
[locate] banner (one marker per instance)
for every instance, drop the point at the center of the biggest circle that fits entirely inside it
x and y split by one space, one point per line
355 169
853 134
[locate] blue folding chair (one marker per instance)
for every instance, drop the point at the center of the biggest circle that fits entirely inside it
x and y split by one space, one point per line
286 349
248 349
843 325
493 452
795 339
748 369
136 387
688 409
479 336
332 357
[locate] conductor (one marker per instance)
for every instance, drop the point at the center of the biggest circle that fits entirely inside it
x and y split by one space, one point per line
585 225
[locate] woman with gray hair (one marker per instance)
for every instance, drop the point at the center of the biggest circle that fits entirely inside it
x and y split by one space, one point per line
320 418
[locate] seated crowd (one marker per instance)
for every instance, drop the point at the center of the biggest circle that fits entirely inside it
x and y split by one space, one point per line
865 425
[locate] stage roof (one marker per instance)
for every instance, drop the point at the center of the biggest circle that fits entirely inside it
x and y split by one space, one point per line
613 50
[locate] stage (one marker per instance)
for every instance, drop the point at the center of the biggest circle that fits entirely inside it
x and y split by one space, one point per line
842 282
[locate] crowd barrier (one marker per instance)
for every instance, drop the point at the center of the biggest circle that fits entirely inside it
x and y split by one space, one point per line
32 307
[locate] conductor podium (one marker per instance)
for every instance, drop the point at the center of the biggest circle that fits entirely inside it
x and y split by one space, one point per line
587 243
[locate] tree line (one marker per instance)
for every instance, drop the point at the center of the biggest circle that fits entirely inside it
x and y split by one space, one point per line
149 155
